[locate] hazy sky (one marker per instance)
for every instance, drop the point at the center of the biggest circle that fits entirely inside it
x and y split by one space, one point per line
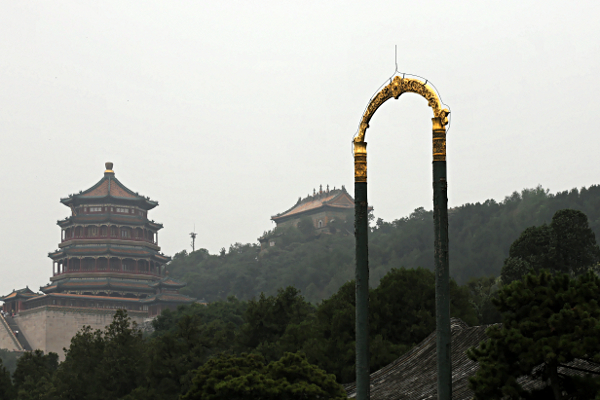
226 112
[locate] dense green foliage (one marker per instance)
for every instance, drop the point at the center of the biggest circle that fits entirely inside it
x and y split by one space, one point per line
566 245
548 321
32 378
480 233
6 386
247 377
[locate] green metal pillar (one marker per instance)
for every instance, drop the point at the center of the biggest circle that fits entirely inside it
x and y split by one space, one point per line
361 230
442 278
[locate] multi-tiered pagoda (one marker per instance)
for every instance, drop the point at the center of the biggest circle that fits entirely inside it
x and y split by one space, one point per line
108 256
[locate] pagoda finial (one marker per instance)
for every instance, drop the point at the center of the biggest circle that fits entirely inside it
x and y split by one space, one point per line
109 168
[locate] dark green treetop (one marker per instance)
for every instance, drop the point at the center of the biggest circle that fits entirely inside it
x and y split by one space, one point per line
566 245
246 376
32 378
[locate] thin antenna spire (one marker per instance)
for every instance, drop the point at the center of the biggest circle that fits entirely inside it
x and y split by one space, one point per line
193 236
396 56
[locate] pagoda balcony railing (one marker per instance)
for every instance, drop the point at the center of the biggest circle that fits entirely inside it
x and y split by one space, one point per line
94 271
135 239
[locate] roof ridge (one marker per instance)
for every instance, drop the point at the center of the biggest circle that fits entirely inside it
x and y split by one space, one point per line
312 198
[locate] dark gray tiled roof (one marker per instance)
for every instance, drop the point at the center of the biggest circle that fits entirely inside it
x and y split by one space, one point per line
413 376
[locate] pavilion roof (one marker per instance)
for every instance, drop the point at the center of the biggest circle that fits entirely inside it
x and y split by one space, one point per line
168 282
109 187
168 298
24 293
333 199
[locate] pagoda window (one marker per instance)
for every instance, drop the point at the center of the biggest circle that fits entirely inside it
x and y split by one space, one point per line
95 209
92 231
125 233
78 231
103 231
114 231
122 210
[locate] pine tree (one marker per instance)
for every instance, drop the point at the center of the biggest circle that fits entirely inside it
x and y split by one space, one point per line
548 321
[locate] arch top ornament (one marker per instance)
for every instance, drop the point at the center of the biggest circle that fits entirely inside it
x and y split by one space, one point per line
397 86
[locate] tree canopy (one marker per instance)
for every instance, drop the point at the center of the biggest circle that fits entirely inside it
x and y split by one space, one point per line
567 245
548 320
247 377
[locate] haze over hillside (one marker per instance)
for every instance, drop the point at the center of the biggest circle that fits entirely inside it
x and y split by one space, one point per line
480 236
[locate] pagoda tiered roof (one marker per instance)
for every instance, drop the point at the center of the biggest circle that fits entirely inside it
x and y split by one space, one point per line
116 250
132 220
168 298
169 283
99 283
109 189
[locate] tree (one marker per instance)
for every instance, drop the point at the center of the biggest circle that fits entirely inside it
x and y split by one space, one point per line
566 245
7 391
243 377
33 376
548 320
103 364
268 317
574 245
482 290
121 368
77 377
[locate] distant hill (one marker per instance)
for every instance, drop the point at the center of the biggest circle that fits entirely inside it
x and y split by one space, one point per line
480 236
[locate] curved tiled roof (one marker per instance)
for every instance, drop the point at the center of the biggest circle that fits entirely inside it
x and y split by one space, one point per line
168 282
413 376
337 198
107 283
20 293
82 250
109 187
168 298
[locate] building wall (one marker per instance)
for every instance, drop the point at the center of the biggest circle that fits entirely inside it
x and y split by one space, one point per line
7 340
50 328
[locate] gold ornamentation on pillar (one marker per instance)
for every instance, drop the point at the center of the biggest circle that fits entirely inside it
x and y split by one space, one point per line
360 162
439 140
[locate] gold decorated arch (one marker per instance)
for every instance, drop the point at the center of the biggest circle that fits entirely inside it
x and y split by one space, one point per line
396 87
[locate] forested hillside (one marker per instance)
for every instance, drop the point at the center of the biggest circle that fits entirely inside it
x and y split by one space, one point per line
480 237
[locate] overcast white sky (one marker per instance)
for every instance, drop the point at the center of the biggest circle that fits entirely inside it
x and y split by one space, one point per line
226 112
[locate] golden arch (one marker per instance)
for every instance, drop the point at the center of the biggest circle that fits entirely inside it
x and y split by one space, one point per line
398 86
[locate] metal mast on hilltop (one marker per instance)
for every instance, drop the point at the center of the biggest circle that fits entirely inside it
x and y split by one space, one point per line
193 236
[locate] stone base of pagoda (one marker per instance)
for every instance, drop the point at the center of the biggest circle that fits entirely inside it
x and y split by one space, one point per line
50 328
